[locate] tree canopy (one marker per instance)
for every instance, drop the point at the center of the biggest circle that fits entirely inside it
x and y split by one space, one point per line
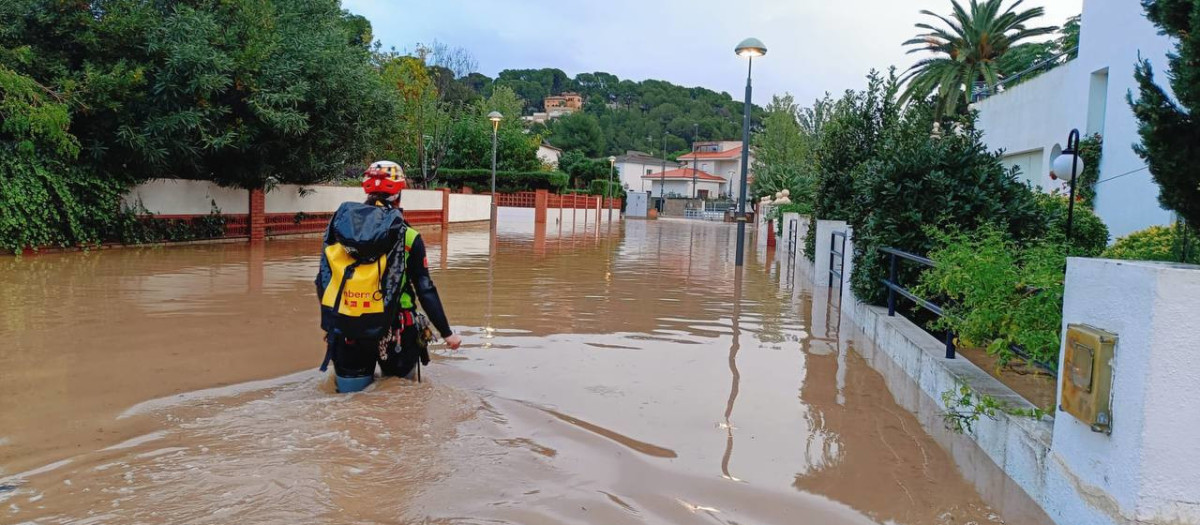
967 50
1168 127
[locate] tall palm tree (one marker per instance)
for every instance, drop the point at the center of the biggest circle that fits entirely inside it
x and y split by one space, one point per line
967 50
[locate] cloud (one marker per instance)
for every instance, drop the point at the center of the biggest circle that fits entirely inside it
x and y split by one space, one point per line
814 45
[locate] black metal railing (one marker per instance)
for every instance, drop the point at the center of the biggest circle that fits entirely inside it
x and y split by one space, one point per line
793 227
836 251
895 288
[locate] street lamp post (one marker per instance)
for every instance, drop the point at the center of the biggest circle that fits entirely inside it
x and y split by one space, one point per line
695 160
495 117
612 163
749 48
662 178
1068 166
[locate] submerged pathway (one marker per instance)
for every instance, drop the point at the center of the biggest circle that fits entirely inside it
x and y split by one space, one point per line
620 375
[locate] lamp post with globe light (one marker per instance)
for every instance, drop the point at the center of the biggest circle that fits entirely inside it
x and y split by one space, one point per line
612 163
1067 167
748 48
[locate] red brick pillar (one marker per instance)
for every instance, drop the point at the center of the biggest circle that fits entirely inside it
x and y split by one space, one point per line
540 200
771 233
599 206
445 208
258 217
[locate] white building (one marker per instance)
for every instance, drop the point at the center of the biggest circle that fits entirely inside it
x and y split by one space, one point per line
1031 121
549 154
634 164
720 158
684 182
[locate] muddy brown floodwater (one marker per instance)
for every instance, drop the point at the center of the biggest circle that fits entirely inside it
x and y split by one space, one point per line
609 376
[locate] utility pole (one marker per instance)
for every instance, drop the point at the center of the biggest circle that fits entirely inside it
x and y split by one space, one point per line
662 178
695 135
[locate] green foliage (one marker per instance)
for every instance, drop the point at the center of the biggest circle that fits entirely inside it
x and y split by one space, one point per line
1091 150
915 181
847 139
997 293
138 226
1157 243
583 171
247 90
631 115
506 181
965 407
783 153
1089 234
1170 129
578 131
967 51
1026 61
470 145
603 188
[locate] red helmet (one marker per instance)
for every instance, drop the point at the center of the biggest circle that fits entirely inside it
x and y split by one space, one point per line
383 177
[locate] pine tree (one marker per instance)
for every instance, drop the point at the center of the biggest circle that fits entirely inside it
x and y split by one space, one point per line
1168 127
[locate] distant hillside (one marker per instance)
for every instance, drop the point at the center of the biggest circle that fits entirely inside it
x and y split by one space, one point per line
627 114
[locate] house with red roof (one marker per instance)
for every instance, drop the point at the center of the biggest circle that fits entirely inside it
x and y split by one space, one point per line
685 182
721 159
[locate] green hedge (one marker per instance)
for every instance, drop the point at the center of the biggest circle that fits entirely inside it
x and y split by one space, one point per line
480 180
1156 243
597 187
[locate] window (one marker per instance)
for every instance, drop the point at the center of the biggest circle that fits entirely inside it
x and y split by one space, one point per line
649 171
1097 102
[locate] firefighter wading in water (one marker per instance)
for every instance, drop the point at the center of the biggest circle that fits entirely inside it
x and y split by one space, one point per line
373 275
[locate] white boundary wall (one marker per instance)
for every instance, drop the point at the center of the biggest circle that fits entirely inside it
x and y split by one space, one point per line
470 208
1148 471
196 197
187 197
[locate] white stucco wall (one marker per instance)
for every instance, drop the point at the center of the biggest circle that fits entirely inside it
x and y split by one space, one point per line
286 198
470 208
630 173
187 197
825 231
1039 114
421 200
1149 468
192 197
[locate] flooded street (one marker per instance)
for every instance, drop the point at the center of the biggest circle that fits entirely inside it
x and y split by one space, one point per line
608 376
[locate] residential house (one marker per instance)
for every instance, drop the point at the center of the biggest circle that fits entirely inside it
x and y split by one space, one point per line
556 106
548 154
633 165
721 158
563 104
685 182
1031 121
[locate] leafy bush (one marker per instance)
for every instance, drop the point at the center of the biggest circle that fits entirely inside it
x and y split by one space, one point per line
847 140
1091 149
1089 235
1156 243
597 187
996 293
43 202
915 181
480 180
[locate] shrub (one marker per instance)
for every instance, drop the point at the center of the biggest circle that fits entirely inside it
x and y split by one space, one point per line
480 180
1089 235
1156 243
916 181
996 293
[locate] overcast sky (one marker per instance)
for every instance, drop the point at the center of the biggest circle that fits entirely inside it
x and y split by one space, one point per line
814 46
